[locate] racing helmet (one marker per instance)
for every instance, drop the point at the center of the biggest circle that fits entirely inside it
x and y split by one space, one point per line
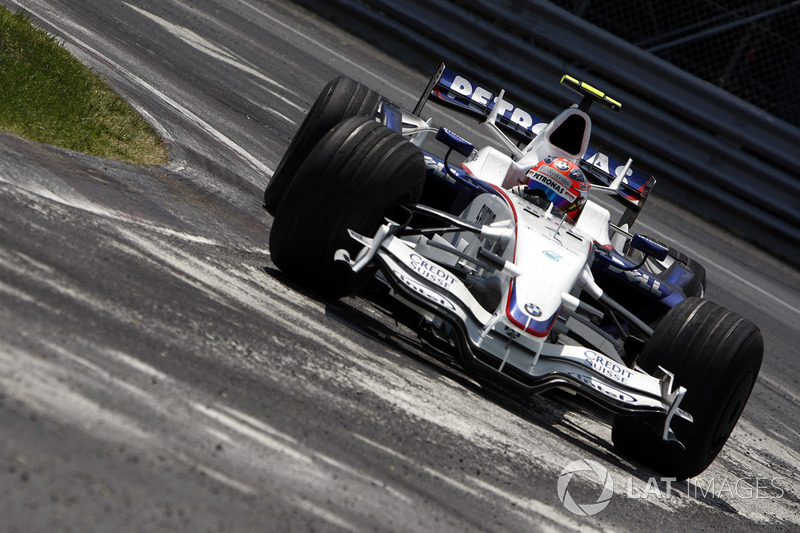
561 182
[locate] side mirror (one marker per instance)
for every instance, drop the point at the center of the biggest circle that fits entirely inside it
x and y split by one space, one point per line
454 142
649 247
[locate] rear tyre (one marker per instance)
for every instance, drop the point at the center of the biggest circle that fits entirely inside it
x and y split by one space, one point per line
342 98
359 173
716 355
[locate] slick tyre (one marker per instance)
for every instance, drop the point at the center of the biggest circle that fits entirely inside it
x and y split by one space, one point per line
342 98
714 353
358 173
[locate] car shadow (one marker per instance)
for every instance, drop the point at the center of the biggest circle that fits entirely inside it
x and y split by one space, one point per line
398 330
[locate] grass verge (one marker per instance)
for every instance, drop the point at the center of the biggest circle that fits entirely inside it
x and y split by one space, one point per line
47 95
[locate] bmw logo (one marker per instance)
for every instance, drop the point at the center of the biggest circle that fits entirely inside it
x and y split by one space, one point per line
561 164
533 310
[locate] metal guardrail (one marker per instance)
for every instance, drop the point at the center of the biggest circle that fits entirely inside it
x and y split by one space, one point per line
679 128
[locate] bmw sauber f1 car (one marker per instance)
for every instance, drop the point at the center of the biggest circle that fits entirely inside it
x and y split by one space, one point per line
509 258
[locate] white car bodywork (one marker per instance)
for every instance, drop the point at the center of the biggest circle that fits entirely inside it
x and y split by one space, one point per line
540 264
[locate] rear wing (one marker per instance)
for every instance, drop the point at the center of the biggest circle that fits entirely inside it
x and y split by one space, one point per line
454 90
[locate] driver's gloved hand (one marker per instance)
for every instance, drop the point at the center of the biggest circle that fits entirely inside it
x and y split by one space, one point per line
519 190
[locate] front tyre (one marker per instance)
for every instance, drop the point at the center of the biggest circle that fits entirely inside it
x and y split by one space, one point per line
714 353
358 173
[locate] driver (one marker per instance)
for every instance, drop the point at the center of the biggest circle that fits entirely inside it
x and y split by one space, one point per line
559 181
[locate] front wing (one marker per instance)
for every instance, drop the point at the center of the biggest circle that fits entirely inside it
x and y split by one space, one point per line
494 348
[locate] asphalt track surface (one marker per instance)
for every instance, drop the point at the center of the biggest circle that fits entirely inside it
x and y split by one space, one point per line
158 374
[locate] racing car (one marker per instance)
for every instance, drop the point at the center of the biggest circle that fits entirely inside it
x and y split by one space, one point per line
510 258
